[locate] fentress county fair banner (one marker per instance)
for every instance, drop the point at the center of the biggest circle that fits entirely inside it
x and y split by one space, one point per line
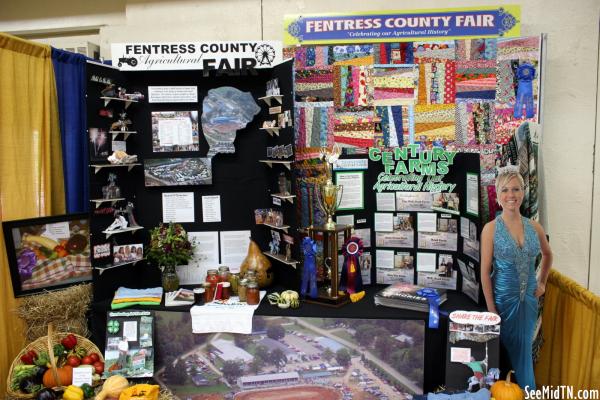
398 26
196 55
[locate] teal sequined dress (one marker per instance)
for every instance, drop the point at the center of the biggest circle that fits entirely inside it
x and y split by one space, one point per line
514 293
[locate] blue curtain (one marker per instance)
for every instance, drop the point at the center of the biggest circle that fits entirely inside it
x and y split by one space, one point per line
70 72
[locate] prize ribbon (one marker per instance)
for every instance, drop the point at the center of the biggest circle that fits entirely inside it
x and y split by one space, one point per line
433 298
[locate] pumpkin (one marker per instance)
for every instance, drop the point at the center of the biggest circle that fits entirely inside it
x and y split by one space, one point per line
256 260
65 376
506 390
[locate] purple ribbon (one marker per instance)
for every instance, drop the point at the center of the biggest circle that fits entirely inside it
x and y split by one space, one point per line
433 299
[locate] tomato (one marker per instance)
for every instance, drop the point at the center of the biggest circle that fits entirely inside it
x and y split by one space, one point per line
94 356
87 360
73 361
99 366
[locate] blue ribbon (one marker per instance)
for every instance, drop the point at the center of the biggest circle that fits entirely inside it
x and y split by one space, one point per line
433 298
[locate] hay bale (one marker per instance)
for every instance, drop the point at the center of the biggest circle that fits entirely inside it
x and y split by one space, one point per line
66 309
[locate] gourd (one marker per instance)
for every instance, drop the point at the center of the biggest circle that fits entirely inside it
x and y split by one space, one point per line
506 390
65 376
113 387
256 260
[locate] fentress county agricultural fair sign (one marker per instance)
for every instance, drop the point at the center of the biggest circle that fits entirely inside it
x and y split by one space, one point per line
398 26
196 55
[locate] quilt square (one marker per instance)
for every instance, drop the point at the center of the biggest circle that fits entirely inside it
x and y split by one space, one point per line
435 124
434 51
393 53
437 82
475 122
395 126
390 85
476 80
354 128
314 126
476 49
314 84
350 86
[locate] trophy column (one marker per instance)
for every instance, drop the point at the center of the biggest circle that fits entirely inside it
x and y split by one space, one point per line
330 295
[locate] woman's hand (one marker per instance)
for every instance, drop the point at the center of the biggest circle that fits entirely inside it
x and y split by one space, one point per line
540 290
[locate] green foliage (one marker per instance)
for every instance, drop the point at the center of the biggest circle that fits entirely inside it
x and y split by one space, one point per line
169 245
327 354
277 357
342 356
176 374
261 352
232 370
276 332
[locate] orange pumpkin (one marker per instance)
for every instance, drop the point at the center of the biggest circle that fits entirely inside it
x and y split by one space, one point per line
506 390
65 375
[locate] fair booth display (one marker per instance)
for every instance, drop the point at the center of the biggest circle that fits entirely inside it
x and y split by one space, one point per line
266 219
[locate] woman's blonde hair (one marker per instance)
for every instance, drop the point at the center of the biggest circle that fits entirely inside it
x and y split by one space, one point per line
505 175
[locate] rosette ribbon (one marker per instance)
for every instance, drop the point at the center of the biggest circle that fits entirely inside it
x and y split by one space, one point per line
433 299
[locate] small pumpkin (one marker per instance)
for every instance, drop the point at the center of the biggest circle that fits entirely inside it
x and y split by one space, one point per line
65 375
506 390
113 387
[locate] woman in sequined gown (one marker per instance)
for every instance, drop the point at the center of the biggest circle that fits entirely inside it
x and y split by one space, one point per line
509 247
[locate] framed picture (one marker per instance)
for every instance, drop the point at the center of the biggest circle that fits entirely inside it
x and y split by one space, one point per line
48 253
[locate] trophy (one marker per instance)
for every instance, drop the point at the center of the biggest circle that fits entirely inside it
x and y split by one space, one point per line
329 195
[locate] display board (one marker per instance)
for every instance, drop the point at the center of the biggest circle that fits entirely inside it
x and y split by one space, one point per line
181 175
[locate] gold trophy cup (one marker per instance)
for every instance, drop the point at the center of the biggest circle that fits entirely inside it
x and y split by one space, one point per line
329 195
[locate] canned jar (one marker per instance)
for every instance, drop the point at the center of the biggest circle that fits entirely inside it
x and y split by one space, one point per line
252 294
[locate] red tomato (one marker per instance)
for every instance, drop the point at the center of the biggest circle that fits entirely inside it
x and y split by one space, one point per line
87 360
73 361
94 356
99 366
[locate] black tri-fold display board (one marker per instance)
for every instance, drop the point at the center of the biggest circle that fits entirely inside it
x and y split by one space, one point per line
158 117
417 214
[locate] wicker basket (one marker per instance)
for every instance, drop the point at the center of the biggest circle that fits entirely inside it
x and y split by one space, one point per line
45 344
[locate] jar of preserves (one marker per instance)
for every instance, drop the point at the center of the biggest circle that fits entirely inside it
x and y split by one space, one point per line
250 274
252 294
209 292
224 274
199 296
212 277
242 289
234 280
226 290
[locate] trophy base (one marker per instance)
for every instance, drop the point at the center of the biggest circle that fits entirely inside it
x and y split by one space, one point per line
324 298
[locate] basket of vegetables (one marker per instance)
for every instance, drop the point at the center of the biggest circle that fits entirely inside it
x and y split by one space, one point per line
47 363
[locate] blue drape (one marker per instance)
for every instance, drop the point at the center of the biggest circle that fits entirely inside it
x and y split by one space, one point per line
70 72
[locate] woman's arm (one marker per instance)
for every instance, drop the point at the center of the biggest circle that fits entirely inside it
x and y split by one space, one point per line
487 253
546 263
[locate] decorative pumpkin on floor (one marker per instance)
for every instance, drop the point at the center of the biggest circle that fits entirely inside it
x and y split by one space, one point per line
506 390
258 262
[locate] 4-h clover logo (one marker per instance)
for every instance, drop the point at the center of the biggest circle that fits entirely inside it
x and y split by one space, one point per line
113 326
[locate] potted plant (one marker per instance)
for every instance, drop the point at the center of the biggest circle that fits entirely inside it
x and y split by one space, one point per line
169 247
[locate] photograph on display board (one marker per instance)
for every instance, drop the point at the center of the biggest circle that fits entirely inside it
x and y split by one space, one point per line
128 253
403 271
403 235
413 201
177 171
467 271
129 344
363 234
471 248
48 253
447 225
471 289
433 280
438 241
445 202
298 357
175 131
100 144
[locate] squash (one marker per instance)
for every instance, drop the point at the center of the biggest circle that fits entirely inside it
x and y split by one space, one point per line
65 376
113 387
506 390
256 260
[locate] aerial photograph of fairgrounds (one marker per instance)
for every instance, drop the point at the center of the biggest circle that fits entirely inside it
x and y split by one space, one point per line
292 358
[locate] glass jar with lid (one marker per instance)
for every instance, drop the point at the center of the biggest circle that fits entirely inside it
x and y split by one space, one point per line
252 294
212 277
242 289
224 273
